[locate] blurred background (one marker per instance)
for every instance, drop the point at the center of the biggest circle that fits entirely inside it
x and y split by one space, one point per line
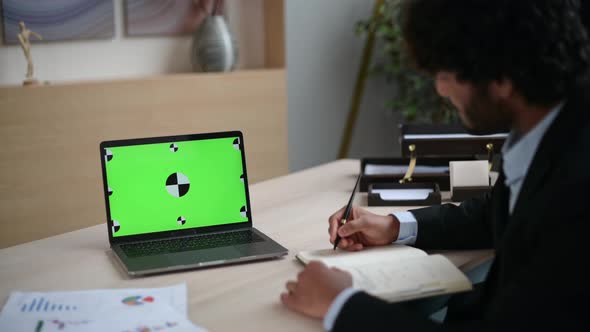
322 58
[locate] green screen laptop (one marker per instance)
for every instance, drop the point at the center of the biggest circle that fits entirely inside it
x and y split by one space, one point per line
180 202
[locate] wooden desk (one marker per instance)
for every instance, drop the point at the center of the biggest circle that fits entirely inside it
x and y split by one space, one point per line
292 209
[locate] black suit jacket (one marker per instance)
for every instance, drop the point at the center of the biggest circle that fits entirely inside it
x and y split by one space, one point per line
539 279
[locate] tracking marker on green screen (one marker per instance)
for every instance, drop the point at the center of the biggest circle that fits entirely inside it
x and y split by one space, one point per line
177 184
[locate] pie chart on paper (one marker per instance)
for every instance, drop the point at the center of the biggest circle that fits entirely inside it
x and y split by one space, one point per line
137 300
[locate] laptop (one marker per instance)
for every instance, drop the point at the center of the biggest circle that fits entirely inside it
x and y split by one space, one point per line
180 202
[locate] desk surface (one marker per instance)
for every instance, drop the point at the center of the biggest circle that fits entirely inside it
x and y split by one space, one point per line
292 209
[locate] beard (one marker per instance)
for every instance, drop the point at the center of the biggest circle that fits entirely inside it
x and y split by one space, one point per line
484 116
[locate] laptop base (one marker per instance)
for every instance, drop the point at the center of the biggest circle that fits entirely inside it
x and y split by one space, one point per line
200 258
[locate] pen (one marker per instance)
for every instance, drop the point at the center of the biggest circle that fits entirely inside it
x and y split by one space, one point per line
347 211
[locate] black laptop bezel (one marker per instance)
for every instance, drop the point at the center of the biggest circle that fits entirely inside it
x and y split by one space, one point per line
171 139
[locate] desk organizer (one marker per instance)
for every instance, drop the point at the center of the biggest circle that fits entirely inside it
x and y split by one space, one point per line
446 141
459 194
439 177
376 199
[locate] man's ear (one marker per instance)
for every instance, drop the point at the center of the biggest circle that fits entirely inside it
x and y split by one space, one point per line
501 89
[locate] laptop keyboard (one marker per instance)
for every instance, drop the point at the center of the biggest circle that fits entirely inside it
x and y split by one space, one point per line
207 241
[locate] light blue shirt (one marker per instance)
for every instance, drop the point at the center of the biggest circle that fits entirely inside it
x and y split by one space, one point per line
517 151
518 154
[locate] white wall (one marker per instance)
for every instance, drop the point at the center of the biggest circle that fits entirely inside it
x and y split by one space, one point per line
125 57
323 56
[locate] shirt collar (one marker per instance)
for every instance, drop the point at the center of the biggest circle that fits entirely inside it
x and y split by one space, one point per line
518 151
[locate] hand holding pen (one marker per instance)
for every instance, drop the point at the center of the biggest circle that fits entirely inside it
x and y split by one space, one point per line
347 211
362 228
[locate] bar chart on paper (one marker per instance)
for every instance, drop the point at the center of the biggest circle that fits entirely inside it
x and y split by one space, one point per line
98 310
41 304
90 302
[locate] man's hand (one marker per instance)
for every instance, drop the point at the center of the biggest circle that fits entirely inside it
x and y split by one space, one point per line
365 229
315 289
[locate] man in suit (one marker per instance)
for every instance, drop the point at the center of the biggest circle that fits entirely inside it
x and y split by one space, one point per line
504 64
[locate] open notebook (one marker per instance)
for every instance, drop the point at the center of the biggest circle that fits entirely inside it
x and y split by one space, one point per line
394 273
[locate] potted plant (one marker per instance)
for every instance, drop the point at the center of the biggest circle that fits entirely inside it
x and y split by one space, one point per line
414 94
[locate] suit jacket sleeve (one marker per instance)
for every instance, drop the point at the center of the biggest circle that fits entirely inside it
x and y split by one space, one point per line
538 299
449 226
542 294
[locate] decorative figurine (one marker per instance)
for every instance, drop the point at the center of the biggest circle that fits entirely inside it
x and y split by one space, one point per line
25 43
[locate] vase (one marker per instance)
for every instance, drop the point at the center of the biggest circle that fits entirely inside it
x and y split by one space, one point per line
214 49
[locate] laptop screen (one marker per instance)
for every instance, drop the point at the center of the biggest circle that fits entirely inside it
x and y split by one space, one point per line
174 185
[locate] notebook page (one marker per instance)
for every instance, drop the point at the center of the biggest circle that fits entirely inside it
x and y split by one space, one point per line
402 194
375 255
409 278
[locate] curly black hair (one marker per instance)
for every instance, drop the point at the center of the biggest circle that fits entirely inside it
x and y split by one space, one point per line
541 45
585 14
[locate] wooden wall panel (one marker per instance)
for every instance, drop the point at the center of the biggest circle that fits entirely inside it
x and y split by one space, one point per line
274 27
50 179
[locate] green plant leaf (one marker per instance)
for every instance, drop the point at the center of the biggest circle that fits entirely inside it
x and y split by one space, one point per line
416 97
